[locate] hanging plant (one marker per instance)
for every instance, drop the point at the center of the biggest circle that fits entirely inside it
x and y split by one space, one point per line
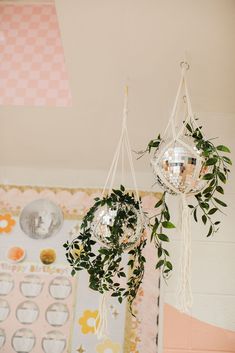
215 173
187 164
110 243
112 227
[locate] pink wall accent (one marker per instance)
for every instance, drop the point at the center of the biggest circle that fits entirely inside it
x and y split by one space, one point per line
185 334
32 65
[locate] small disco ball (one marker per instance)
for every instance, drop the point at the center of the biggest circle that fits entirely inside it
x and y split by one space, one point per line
41 219
104 219
179 168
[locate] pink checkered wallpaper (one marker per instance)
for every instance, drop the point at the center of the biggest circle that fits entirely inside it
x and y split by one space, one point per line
32 65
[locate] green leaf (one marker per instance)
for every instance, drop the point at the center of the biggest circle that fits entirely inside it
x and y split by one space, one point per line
167 224
207 190
211 161
227 160
204 219
195 214
122 274
221 203
210 231
159 252
208 176
163 237
222 177
169 265
223 148
220 189
212 211
122 188
159 203
159 264
120 300
166 252
104 251
114 294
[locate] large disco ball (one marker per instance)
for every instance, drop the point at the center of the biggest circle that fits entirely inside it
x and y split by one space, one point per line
179 167
130 231
41 219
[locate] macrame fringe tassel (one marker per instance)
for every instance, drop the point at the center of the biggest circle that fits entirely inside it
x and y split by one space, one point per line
101 324
185 298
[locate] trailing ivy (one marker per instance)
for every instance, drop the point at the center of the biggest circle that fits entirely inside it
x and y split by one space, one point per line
104 263
160 223
208 201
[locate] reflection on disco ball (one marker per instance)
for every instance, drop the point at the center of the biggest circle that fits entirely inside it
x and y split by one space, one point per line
179 168
41 219
104 219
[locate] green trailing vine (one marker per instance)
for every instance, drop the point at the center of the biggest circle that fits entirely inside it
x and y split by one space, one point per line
104 263
207 202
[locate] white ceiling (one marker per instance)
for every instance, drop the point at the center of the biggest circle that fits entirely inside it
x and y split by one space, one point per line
107 42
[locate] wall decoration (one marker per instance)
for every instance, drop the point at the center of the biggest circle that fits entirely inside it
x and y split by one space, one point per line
108 345
41 219
23 340
6 283
4 309
40 313
57 314
16 254
54 341
2 337
31 286
30 281
27 312
186 163
6 223
48 256
81 349
88 321
32 71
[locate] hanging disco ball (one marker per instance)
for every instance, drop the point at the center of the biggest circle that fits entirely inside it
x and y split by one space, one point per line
179 167
129 230
41 219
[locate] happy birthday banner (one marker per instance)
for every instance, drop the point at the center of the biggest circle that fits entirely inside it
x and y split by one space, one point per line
43 308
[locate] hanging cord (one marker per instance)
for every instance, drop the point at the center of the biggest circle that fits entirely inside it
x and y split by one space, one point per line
101 322
123 144
185 297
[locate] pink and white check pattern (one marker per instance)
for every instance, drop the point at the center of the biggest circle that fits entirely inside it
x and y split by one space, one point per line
32 65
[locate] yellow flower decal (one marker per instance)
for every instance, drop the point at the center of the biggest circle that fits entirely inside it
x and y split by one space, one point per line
6 223
88 321
108 347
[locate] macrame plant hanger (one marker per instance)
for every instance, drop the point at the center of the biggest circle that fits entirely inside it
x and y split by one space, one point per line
101 326
185 298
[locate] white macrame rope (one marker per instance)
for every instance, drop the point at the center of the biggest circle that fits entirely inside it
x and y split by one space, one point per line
123 145
101 322
185 298
184 288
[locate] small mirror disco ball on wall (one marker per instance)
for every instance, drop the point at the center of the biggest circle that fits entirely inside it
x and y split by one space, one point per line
179 167
41 219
